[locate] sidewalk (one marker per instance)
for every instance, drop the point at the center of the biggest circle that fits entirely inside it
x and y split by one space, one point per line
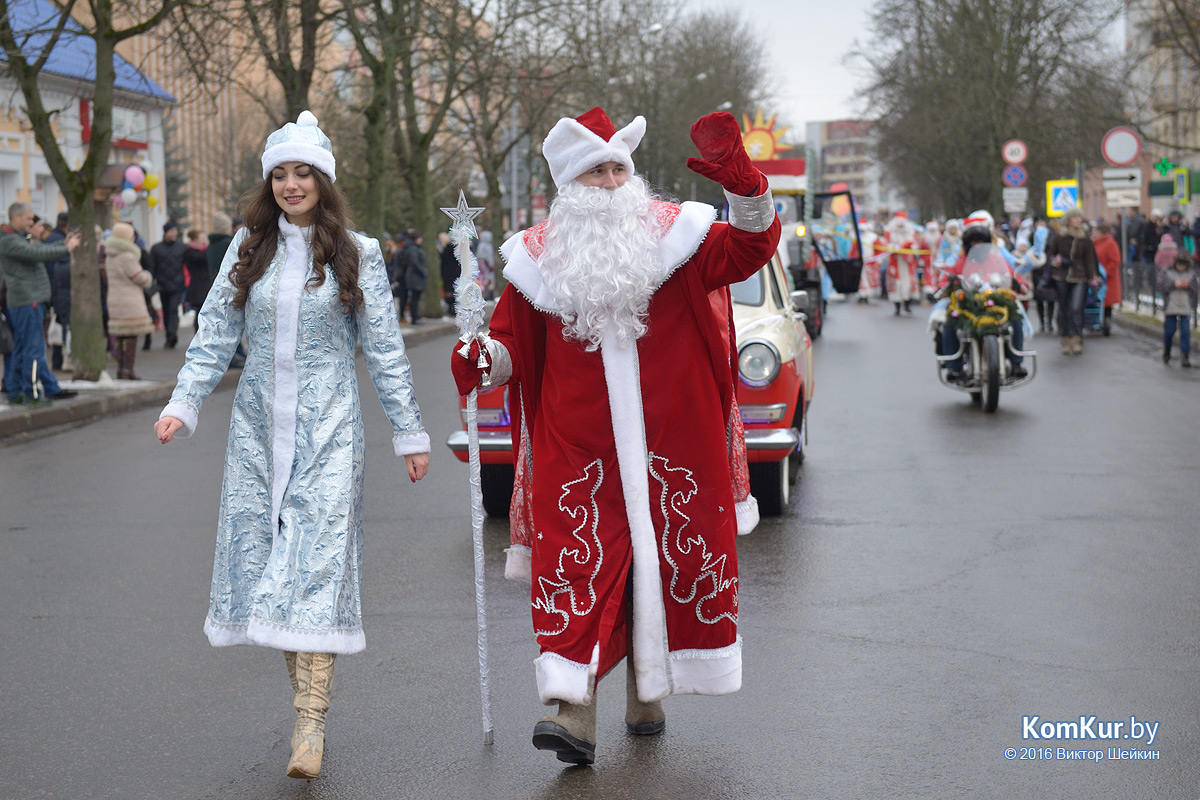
157 367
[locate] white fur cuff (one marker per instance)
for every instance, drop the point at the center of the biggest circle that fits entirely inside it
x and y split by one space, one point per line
501 369
408 444
751 214
518 564
189 416
561 679
747 515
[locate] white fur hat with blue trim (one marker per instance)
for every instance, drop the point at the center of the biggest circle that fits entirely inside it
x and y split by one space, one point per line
300 141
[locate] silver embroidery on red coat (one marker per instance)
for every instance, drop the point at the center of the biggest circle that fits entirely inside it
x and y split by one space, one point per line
688 553
578 501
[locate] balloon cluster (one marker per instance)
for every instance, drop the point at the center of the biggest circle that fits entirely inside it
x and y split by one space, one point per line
139 183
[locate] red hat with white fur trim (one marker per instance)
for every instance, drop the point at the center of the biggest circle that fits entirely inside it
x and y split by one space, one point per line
575 145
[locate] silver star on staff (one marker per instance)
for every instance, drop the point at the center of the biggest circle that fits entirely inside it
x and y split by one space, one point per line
462 214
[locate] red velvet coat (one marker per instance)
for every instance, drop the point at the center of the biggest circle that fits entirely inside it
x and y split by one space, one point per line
628 469
1108 253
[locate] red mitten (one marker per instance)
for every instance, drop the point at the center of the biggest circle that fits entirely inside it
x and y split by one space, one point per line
724 157
467 372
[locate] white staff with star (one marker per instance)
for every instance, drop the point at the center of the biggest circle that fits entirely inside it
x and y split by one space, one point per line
468 314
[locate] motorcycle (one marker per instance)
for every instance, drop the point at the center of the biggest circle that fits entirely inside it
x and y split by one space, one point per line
982 308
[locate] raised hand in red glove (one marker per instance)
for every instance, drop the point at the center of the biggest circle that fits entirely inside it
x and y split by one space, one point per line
724 157
467 372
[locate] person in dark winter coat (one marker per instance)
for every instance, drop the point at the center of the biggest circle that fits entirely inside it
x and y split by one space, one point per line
60 288
395 272
167 258
416 270
200 279
1074 266
450 269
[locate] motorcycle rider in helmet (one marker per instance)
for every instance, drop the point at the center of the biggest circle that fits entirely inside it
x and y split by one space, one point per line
947 336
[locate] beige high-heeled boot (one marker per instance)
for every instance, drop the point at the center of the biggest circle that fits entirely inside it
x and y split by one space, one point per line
314 684
641 719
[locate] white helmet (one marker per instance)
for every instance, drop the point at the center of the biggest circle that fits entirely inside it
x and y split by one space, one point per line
979 217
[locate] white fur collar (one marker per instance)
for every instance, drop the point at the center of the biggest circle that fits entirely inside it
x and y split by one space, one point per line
680 243
294 233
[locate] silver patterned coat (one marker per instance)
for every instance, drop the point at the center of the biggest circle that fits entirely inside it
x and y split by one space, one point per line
288 566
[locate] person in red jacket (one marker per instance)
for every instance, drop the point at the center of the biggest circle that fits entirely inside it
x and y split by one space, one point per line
606 325
1108 253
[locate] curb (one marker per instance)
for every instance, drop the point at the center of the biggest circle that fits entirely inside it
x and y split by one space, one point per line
1136 325
22 426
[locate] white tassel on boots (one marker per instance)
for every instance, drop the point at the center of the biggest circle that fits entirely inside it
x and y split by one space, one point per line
314 683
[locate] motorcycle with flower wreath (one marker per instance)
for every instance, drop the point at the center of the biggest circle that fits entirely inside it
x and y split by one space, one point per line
982 305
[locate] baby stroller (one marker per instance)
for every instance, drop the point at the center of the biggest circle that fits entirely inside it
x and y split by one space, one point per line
1093 306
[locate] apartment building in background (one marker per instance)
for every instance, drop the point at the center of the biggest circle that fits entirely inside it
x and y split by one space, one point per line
842 152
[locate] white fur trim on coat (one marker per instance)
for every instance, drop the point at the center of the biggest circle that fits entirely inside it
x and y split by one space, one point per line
189 416
747 515
716 671
285 637
559 678
622 374
571 149
409 444
518 564
297 264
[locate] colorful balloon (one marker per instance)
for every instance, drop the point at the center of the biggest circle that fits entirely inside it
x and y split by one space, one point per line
151 181
146 166
152 201
134 175
117 202
128 196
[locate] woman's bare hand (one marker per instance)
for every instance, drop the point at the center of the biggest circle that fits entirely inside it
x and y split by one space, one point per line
166 428
418 466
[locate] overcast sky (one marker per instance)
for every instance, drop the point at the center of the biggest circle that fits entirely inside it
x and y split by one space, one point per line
807 41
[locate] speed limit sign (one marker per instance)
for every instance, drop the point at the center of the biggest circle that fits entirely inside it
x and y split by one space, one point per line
1014 152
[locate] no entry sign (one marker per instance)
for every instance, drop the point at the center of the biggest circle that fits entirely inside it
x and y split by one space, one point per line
1121 146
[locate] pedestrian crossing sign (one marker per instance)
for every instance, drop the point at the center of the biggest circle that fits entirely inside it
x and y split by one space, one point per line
1061 197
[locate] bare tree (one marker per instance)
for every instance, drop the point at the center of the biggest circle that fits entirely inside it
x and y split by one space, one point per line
1164 78
27 52
950 83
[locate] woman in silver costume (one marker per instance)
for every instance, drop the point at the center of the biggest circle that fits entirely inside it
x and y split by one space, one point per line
305 291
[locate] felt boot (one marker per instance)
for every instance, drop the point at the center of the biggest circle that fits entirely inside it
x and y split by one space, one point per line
1066 345
641 719
314 683
1187 361
1077 345
571 733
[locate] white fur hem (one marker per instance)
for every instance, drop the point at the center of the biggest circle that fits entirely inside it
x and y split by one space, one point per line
559 678
285 637
518 564
716 671
189 416
408 444
747 515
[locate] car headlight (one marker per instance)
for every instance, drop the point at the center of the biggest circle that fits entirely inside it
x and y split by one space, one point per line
758 362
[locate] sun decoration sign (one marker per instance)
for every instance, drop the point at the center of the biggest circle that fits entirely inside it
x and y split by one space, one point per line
761 139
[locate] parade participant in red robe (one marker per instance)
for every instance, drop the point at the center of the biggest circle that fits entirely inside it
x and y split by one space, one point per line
621 382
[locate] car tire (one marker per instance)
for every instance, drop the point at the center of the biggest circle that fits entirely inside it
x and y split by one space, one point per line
797 456
497 483
770 484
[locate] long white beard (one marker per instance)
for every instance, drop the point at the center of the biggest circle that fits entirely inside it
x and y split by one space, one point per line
599 259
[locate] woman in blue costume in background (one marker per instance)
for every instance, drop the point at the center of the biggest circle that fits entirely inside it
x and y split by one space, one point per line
305 291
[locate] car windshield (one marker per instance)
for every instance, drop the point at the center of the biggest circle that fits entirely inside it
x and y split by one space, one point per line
749 292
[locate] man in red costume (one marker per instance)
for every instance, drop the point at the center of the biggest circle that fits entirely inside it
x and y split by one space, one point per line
611 338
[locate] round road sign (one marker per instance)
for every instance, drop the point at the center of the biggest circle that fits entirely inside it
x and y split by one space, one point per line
1014 152
1014 175
1121 146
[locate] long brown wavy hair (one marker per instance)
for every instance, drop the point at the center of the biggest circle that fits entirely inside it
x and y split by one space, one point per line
332 243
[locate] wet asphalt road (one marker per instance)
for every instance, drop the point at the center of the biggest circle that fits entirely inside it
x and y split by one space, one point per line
941 574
